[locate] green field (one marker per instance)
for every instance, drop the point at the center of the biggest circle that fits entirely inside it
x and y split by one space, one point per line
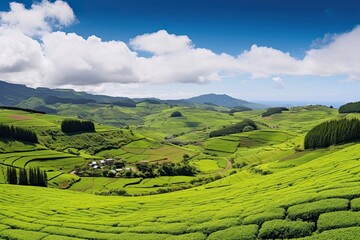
254 185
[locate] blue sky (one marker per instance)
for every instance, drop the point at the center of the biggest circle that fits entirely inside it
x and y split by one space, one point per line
231 27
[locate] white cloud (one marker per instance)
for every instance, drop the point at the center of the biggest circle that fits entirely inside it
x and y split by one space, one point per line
78 61
161 43
41 17
279 83
34 54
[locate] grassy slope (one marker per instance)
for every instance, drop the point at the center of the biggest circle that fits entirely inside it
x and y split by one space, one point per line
302 196
202 210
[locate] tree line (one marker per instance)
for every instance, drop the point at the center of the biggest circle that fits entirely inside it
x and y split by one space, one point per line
274 110
353 107
22 109
18 133
235 128
33 176
75 125
332 132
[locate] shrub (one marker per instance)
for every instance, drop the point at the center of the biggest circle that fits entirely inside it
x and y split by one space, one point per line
341 219
13 223
170 228
21 234
355 204
214 226
274 110
72 232
343 234
176 114
246 232
55 237
189 236
3 227
277 213
139 236
312 210
332 132
285 229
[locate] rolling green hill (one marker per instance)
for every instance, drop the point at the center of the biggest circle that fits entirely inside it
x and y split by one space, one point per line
260 184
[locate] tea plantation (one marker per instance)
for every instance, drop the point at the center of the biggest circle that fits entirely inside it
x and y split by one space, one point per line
260 184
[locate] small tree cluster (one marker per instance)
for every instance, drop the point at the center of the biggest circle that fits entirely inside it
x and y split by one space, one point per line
353 107
176 114
274 110
332 132
75 125
35 177
235 128
149 170
18 133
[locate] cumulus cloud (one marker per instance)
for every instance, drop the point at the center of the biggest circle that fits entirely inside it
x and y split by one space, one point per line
279 83
41 17
161 43
36 53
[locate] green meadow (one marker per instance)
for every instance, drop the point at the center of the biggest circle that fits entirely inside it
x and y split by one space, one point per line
260 184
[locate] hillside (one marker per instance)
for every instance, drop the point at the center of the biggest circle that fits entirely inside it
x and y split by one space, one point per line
224 100
258 184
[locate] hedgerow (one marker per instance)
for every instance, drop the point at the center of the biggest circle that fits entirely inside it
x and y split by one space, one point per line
3 227
170 228
246 232
19 234
350 233
72 232
312 210
278 213
285 229
213 226
13 223
341 219
188 236
355 204
56 237
139 236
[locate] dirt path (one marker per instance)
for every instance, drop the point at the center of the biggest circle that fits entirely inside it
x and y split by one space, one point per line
228 167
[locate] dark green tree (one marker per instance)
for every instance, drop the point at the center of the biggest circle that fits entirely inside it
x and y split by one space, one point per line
23 178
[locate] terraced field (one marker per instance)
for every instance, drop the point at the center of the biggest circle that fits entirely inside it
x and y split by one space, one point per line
254 185
303 201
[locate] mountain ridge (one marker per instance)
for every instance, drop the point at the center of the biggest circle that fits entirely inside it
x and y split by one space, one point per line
14 94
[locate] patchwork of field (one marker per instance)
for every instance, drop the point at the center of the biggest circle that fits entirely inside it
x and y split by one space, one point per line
318 199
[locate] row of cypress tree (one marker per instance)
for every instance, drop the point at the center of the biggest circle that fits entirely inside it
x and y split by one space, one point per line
33 176
18 133
332 132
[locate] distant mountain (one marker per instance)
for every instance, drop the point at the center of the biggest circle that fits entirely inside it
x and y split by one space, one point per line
13 94
224 100
26 97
